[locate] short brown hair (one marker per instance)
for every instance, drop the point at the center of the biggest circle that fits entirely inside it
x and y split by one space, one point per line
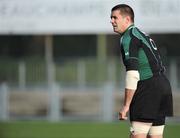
125 10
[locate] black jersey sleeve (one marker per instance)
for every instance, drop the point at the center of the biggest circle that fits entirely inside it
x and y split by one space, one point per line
131 54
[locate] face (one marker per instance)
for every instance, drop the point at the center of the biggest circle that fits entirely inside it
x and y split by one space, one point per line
118 22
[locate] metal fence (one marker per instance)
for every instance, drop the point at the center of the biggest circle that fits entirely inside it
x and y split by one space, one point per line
57 104
77 73
82 89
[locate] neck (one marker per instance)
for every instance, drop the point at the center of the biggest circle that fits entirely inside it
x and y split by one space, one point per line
127 27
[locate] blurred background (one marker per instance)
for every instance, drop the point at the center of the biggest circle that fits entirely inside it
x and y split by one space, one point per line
60 60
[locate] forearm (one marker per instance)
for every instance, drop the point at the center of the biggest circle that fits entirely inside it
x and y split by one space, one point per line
132 78
129 93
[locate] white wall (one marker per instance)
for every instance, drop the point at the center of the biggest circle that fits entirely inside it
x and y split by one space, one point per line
83 16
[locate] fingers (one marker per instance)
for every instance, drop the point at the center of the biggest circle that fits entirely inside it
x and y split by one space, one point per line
122 116
123 113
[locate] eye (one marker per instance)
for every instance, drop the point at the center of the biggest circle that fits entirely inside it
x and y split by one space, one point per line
113 17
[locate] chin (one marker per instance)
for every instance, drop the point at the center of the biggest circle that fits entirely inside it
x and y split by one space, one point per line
116 31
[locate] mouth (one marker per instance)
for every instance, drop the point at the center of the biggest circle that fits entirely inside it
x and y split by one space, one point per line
114 27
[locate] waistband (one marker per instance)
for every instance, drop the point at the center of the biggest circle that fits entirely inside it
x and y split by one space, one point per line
159 73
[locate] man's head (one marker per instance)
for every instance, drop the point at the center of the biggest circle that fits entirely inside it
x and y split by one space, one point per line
122 16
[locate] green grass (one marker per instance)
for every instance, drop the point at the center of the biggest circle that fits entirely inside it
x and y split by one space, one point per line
73 130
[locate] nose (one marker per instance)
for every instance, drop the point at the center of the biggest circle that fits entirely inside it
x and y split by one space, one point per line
111 21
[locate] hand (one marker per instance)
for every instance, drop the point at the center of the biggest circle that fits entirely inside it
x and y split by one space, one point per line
123 113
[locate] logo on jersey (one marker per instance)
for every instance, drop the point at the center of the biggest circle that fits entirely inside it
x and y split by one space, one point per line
126 53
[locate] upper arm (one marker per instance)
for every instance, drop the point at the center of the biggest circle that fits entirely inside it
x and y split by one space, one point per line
130 50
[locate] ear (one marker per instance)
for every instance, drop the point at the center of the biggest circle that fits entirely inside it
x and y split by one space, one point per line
128 19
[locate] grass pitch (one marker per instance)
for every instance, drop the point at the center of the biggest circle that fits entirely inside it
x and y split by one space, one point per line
28 129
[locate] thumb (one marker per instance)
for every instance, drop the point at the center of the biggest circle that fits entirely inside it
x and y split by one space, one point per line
122 116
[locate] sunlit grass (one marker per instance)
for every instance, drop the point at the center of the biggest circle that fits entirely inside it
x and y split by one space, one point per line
28 129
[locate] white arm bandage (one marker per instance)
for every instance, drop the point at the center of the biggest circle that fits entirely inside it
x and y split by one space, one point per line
132 78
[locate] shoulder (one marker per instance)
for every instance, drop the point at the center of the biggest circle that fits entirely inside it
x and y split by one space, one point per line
137 33
133 34
126 38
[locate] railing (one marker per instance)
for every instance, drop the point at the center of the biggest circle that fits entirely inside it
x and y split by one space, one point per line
82 89
56 104
77 73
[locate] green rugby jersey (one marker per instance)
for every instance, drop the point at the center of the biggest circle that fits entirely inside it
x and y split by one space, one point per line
139 52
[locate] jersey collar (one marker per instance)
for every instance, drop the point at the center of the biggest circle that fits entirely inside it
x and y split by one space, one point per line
131 26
